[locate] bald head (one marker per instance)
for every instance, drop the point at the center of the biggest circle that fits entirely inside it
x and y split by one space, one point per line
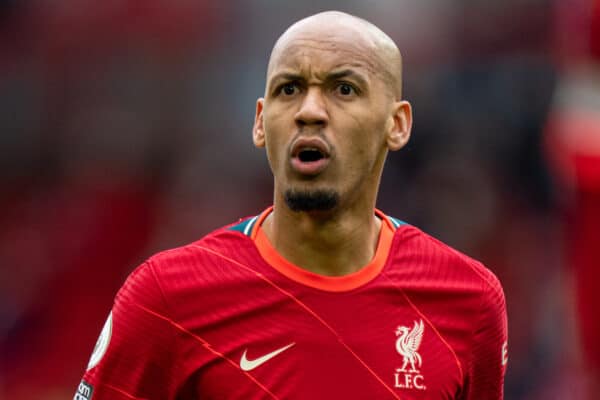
333 28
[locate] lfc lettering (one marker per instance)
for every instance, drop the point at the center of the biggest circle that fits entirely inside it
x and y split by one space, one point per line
404 380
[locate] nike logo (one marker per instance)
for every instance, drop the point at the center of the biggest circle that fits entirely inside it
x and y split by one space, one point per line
249 365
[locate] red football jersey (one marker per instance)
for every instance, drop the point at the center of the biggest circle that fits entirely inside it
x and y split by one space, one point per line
227 317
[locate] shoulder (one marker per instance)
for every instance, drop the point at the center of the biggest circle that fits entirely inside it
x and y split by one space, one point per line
180 263
429 257
224 241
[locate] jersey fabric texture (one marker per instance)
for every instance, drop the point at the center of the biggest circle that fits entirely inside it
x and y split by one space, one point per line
227 317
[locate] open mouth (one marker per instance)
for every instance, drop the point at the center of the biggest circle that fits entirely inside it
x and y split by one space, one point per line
310 154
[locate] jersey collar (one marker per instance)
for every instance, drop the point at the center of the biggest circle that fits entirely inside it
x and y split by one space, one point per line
323 282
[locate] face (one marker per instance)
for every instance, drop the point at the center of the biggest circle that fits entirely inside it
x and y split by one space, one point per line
328 118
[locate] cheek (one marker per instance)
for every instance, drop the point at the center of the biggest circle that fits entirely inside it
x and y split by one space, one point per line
271 148
368 134
274 140
365 144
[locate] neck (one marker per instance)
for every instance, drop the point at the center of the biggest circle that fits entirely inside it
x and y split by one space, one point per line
335 244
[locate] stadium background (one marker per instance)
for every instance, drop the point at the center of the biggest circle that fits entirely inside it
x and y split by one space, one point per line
125 128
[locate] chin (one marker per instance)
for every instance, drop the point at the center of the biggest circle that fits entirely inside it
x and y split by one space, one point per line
307 200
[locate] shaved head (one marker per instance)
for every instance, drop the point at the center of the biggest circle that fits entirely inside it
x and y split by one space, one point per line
336 27
332 110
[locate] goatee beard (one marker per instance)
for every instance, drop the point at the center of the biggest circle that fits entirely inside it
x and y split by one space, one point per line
314 200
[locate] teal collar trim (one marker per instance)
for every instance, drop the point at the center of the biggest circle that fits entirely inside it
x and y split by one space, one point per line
245 226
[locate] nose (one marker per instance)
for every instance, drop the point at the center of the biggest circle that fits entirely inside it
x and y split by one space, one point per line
313 109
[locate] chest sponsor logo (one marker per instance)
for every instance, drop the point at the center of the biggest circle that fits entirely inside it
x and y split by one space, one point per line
249 365
408 341
101 343
84 391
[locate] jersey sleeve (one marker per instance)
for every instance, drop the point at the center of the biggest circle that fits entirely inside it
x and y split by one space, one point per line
489 352
135 355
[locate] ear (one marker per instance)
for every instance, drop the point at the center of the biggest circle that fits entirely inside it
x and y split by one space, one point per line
258 131
400 125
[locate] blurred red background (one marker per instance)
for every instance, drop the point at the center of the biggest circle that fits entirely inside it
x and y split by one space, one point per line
126 129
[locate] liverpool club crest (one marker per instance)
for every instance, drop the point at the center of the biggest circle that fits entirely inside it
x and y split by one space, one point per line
407 345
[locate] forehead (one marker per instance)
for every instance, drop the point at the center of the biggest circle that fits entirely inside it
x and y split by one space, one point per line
321 51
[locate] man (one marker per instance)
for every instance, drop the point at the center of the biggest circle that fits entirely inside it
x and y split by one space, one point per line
321 296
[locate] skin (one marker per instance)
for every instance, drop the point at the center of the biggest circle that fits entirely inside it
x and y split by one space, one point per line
335 77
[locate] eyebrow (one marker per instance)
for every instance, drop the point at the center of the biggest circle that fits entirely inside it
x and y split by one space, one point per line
332 76
347 73
285 76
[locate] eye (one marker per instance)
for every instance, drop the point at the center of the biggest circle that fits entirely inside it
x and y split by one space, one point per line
345 89
289 88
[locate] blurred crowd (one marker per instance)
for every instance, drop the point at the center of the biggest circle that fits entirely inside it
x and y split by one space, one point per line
125 129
